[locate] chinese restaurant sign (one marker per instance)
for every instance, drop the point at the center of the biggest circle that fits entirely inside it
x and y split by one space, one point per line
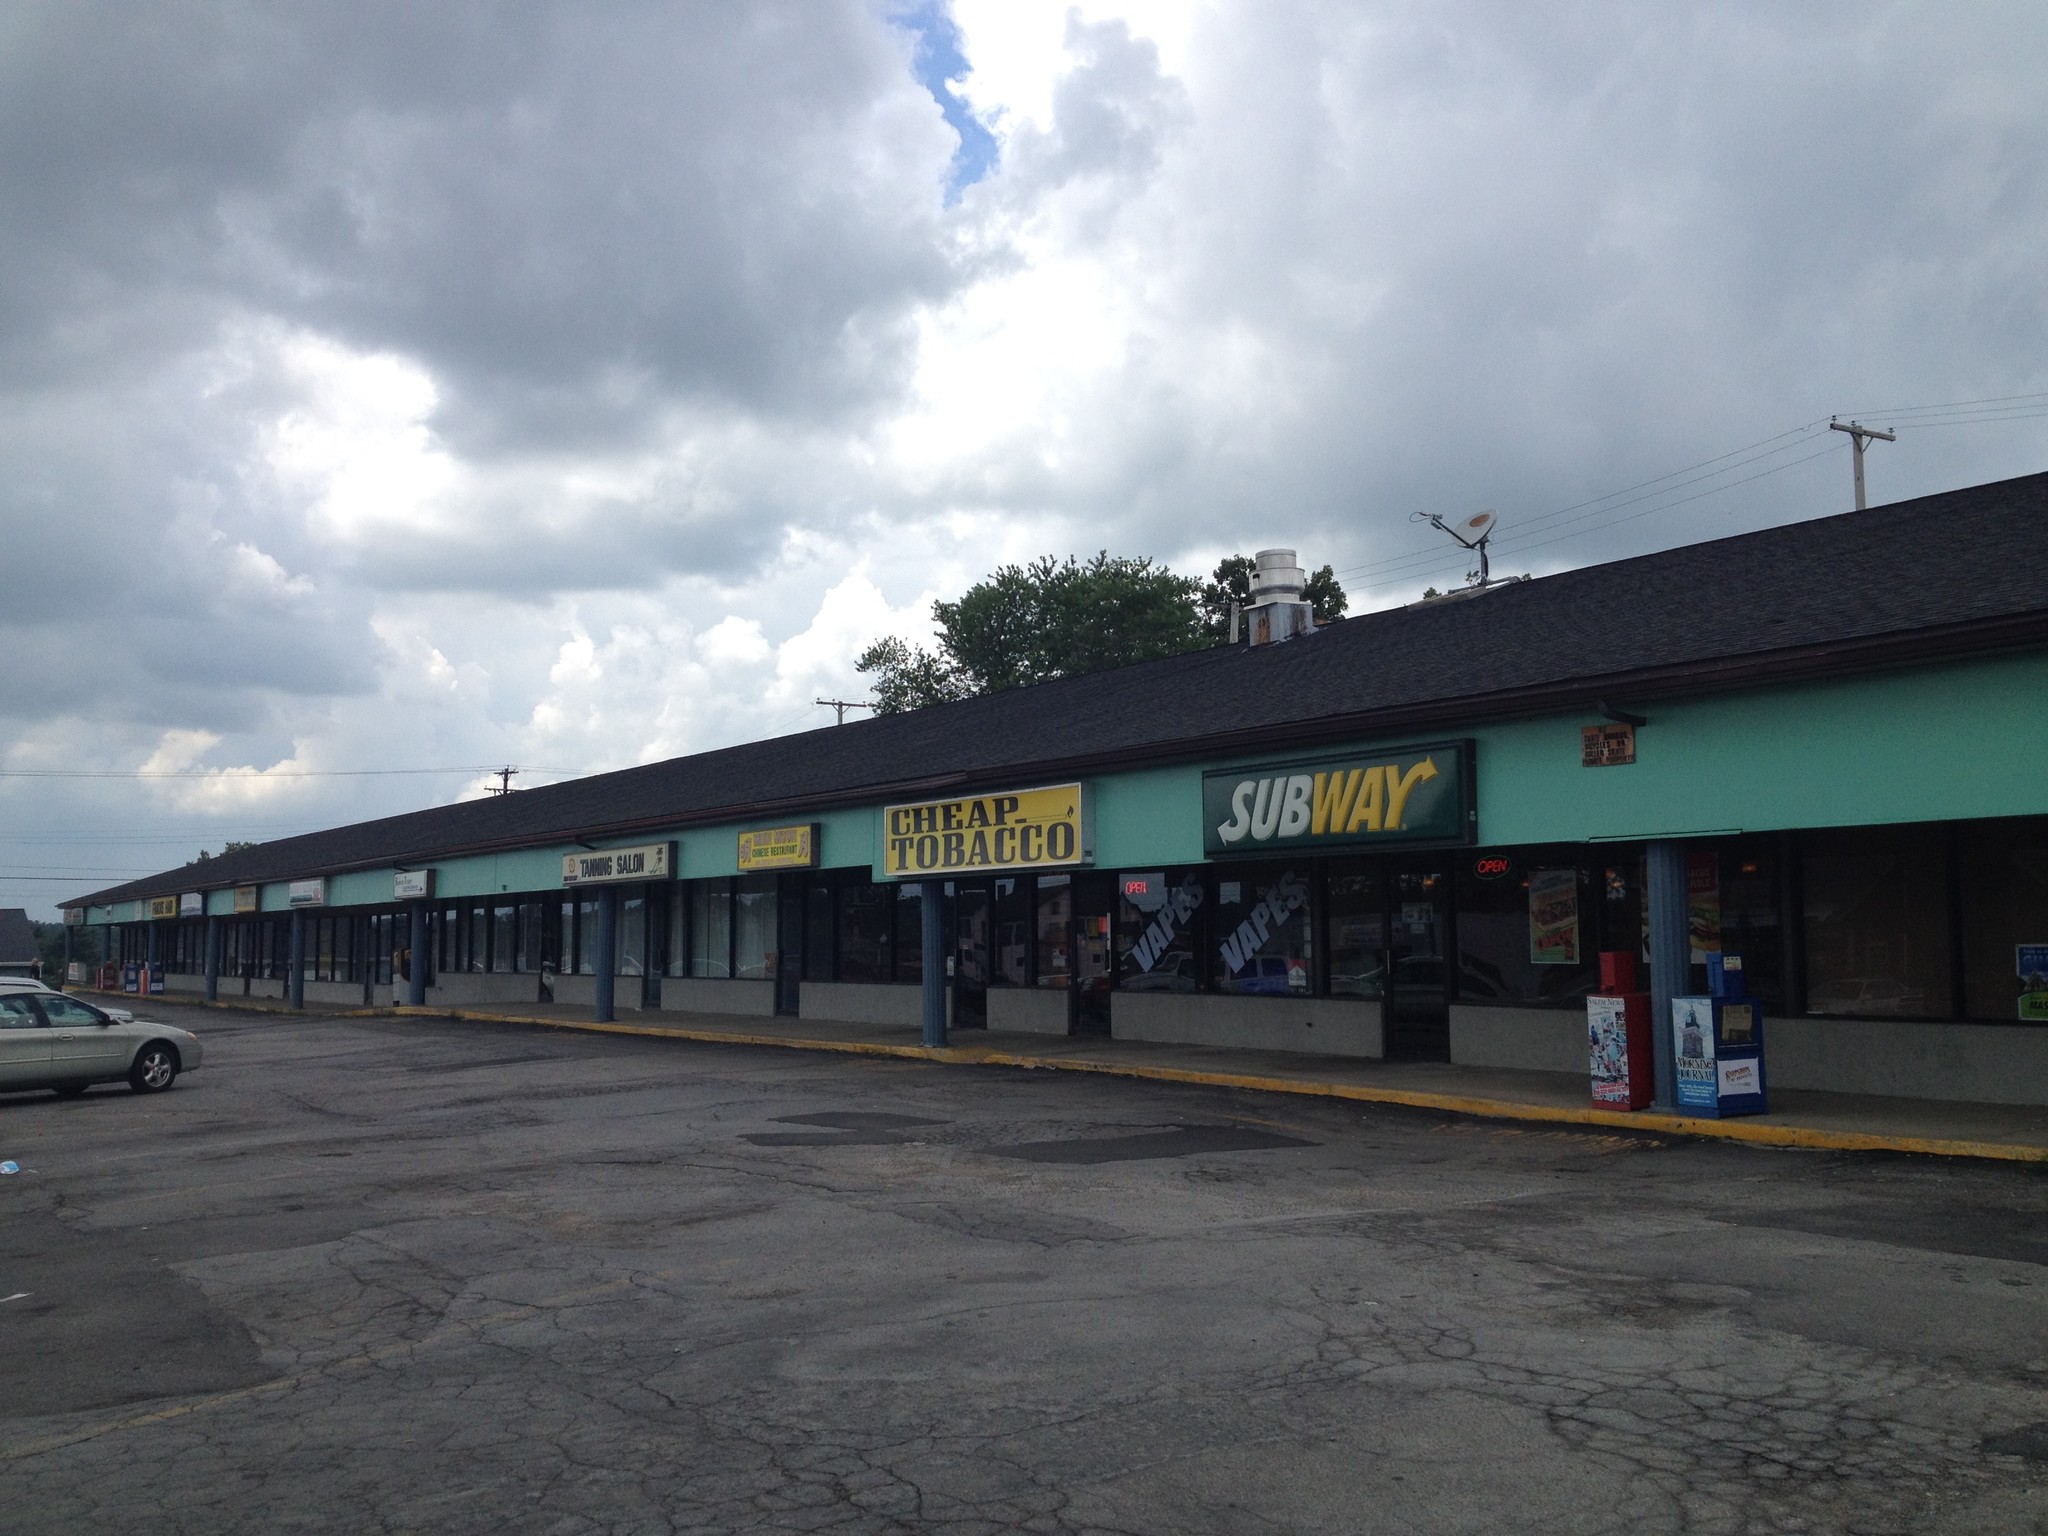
648 861
1028 829
779 848
1417 794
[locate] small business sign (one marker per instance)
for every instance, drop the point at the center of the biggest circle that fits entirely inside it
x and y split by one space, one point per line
1048 828
248 898
306 893
780 848
1607 746
412 885
1419 794
74 917
644 861
192 904
163 906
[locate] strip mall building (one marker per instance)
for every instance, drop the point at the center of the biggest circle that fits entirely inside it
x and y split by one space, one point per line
1823 747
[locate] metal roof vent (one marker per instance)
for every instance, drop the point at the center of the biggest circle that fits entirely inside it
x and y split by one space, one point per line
1277 612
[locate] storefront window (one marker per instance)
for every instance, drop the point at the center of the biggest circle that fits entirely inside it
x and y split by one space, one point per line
1052 921
754 922
1355 907
866 916
2003 867
1877 931
676 948
1526 927
1750 923
632 935
711 928
1159 914
1261 937
910 933
1012 918
505 937
532 925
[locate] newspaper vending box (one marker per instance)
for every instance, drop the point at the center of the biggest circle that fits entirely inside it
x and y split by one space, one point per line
1718 1045
1618 1036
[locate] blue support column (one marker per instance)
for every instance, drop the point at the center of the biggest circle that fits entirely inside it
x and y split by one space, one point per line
934 904
213 959
295 977
606 960
416 972
1664 898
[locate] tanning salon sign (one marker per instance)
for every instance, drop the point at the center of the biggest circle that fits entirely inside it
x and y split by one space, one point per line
1419 794
1028 829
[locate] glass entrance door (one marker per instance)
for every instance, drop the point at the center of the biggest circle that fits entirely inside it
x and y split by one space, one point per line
789 943
972 928
1418 1016
1094 953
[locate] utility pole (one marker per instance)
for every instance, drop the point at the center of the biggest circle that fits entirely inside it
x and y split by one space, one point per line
504 781
1859 435
843 705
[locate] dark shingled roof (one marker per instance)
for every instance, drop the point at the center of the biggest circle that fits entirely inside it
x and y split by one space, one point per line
1961 573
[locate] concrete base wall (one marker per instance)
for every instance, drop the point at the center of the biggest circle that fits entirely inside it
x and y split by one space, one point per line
862 1002
258 987
464 989
705 994
1531 1039
1322 1026
1988 1063
334 994
1028 1010
187 984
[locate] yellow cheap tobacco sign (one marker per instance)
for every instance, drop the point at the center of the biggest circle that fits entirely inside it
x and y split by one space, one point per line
1028 829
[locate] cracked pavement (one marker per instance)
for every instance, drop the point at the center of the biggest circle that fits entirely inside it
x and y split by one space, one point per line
412 1275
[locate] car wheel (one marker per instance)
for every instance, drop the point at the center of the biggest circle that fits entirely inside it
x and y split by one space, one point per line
155 1069
70 1090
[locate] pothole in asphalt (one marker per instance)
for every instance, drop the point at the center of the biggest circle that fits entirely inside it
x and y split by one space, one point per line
1180 1141
843 1128
2029 1441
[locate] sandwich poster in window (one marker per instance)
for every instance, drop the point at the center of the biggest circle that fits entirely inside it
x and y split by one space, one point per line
1554 917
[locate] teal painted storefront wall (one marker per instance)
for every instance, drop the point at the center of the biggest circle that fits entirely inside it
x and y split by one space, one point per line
1938 743
1934 744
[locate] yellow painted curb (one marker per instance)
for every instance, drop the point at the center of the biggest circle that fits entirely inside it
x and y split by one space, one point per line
1756 1133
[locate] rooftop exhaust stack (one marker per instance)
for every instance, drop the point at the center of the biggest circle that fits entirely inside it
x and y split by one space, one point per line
1277 612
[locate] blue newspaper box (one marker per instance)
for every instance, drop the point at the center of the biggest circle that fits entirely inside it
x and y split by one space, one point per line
1718 1045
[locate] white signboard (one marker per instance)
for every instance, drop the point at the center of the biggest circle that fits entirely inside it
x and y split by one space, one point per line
307 893
412 885
647 861
192 904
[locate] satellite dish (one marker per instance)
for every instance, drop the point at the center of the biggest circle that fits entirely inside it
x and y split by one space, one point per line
1473 529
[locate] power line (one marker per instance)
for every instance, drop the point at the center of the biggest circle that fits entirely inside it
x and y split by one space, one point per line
257 776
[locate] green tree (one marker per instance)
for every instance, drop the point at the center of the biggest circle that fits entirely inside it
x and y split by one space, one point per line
226 848
1232 583
1030 624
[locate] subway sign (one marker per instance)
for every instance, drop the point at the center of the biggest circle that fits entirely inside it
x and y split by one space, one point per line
1402 795
1027 829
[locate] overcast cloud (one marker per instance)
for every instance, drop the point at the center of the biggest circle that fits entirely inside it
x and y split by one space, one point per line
569 386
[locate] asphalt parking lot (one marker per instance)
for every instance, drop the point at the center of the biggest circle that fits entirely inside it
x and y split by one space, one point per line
410 1275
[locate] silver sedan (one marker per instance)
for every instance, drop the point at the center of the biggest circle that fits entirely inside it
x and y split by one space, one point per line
48 1040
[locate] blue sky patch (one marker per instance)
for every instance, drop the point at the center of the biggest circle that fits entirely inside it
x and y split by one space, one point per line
939 62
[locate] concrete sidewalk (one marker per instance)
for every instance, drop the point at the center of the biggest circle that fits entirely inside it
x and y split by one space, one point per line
1832 1121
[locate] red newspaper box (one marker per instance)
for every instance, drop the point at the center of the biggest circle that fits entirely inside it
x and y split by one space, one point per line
1618 1035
